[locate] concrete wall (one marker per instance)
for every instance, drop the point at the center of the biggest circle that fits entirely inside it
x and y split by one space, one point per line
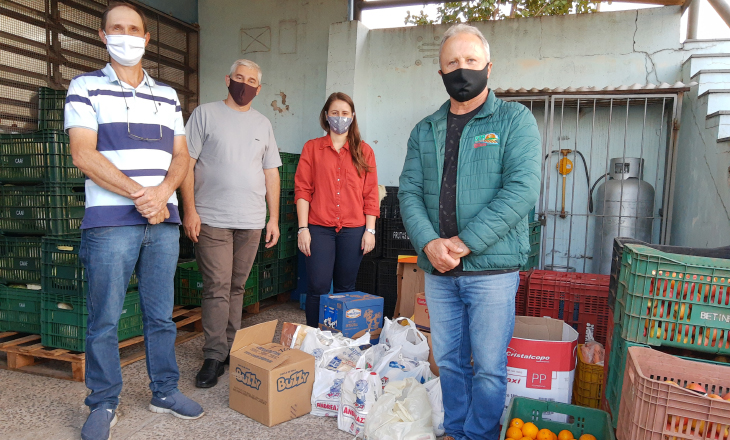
398 67
185 10
289 39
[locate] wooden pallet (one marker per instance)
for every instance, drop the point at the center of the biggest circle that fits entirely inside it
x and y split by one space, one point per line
25 352
267 304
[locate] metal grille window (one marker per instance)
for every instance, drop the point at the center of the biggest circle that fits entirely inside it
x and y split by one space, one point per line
608 167
49 42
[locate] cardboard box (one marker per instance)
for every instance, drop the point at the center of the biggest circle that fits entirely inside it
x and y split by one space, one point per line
353 314
431 360
269 382
541 360
420 314
411 280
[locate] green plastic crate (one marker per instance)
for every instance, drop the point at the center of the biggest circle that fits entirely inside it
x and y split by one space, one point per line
47 209
286 174
189 285
61 270
20 310
264 254
288 250
533 259
20 260
674 300
287 274
268 280
63 320
50 108
289 233
38 157
580 420
289 158
287 207
617 366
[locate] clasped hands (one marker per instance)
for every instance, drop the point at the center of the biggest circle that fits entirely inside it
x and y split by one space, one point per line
151 202
446 253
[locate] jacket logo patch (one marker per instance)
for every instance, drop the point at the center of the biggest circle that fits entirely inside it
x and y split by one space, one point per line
486 139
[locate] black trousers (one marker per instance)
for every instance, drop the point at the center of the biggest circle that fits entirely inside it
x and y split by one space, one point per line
335 262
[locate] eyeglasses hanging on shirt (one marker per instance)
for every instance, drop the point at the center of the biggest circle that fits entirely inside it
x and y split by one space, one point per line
154 103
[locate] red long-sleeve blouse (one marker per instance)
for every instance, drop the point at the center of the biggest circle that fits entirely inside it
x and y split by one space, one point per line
328 180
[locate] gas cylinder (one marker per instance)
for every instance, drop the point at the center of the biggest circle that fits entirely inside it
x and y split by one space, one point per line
624 207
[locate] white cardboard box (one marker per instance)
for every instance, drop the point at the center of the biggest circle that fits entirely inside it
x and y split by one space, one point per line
541 360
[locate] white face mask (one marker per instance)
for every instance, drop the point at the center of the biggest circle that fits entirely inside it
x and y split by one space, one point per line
126 50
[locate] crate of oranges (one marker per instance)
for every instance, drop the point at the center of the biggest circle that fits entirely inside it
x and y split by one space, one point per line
531 419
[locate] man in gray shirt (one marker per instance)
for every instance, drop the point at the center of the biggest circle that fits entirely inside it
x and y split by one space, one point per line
233 175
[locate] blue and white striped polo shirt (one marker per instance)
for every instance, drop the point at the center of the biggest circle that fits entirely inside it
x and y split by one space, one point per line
96 100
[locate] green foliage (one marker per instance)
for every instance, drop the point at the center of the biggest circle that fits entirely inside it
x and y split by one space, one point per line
483 10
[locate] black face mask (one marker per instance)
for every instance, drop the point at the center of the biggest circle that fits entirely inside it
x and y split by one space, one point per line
241 93
465 84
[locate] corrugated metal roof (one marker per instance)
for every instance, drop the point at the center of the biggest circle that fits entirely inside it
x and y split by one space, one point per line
635 88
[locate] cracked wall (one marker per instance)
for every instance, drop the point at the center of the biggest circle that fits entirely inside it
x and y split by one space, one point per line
289 39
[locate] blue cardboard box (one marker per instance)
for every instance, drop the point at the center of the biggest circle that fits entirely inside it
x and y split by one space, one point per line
353 314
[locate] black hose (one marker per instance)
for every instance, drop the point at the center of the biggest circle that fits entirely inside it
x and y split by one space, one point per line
590 193
588 179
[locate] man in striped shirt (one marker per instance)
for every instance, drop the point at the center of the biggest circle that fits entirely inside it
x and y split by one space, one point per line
127 136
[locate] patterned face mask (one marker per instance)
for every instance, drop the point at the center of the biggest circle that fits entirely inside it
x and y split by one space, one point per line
339 124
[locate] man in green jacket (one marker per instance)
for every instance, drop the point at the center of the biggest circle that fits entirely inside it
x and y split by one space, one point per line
471 176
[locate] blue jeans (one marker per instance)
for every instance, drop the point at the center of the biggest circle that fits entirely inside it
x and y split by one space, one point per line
472 316
110 254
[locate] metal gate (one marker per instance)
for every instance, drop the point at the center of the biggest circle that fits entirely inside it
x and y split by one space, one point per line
590 128
49 42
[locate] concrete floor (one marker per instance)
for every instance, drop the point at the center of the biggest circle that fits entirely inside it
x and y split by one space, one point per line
36 407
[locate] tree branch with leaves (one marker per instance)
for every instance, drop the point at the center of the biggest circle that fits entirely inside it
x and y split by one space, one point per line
483 10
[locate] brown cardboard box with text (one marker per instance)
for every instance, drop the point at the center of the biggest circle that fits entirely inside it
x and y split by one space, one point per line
269 382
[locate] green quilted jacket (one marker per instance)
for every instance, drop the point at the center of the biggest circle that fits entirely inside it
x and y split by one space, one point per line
498 183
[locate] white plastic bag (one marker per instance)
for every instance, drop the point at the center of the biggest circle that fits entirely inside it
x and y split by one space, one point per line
435 396
403 412
360 390
393 366
402 332
326 392
317 342
341 359
372 356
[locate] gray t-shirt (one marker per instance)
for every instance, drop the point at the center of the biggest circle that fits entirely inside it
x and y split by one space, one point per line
232 149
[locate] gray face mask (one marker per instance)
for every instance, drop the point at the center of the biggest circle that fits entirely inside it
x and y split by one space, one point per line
339 124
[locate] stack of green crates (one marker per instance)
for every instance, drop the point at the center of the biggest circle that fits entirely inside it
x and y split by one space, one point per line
41 195
189 285
63 307
275 263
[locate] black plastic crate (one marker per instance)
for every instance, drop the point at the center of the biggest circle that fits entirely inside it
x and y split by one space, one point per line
378 251
187 247
47 209
20 260
287 207
617 256
389 206
288 274
367 277
395 239
388 284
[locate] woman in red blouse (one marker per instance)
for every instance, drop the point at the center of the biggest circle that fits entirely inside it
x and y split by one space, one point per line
336 189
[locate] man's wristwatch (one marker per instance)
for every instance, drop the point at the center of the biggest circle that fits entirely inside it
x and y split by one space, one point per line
372 231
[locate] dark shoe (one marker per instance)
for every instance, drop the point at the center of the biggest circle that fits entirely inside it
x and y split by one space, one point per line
208 375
